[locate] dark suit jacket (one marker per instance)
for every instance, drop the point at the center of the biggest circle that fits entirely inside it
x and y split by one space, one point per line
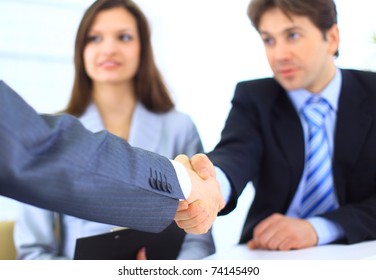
263 142
53 162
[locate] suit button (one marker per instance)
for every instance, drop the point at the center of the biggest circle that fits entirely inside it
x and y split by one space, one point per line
159 185
152 182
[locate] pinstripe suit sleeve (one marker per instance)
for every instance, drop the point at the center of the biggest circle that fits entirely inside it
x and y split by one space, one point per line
53 162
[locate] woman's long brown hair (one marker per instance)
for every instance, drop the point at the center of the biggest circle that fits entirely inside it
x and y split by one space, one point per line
150 89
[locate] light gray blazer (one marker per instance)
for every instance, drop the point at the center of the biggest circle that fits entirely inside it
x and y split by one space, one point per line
168 134
54 163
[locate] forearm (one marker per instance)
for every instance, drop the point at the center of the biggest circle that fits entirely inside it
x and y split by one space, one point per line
54 163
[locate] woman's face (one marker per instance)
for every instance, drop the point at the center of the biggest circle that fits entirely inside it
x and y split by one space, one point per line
112 52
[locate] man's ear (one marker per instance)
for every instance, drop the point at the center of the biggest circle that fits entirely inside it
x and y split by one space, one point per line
333 39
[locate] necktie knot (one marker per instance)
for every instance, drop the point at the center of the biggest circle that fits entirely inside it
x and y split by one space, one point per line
315 111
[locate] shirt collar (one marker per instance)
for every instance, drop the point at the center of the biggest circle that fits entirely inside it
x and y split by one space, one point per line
330 93
92 119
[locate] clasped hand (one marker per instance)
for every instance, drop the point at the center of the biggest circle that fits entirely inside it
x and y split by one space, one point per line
197 214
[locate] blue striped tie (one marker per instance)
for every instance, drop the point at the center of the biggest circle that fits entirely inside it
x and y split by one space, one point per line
318 195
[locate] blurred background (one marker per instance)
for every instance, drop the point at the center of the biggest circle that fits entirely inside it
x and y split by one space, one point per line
202 47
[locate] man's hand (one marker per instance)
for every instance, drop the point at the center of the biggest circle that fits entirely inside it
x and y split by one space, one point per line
141 254
202 165
278 232
198 213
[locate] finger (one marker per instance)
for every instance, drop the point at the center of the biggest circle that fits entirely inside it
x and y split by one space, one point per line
275 242
252 244
183 159
201 228
194 216
271 232
263 234
141 254
221 204
193 210
200 222
208 193
266 224
183 205
203 166
286 244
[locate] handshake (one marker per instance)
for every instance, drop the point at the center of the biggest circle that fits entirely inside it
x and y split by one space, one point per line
197 214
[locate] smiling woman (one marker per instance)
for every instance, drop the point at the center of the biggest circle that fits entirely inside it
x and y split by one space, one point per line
113 30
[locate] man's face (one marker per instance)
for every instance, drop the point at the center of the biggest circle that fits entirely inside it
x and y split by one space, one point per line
298 54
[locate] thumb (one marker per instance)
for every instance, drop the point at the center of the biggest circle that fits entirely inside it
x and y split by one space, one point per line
202 165
183 159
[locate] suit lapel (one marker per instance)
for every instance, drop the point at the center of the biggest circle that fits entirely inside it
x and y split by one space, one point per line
353 124
289 135
146 129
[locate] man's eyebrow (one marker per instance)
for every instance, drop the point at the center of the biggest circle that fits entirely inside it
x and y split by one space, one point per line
286 30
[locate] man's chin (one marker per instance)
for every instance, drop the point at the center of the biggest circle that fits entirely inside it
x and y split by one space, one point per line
289 84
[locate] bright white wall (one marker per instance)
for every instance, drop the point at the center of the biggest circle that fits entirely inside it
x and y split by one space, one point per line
203 48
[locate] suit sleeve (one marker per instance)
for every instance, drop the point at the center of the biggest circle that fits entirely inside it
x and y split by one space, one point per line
53 162
239 151
355 157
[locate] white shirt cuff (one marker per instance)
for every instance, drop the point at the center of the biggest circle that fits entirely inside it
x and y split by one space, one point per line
327 231
224 183
183 177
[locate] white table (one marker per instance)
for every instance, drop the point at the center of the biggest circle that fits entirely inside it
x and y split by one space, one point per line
364 250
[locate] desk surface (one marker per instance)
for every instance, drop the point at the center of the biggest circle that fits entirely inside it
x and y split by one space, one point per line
364 250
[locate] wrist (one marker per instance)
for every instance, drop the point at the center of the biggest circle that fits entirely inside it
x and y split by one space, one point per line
183 178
